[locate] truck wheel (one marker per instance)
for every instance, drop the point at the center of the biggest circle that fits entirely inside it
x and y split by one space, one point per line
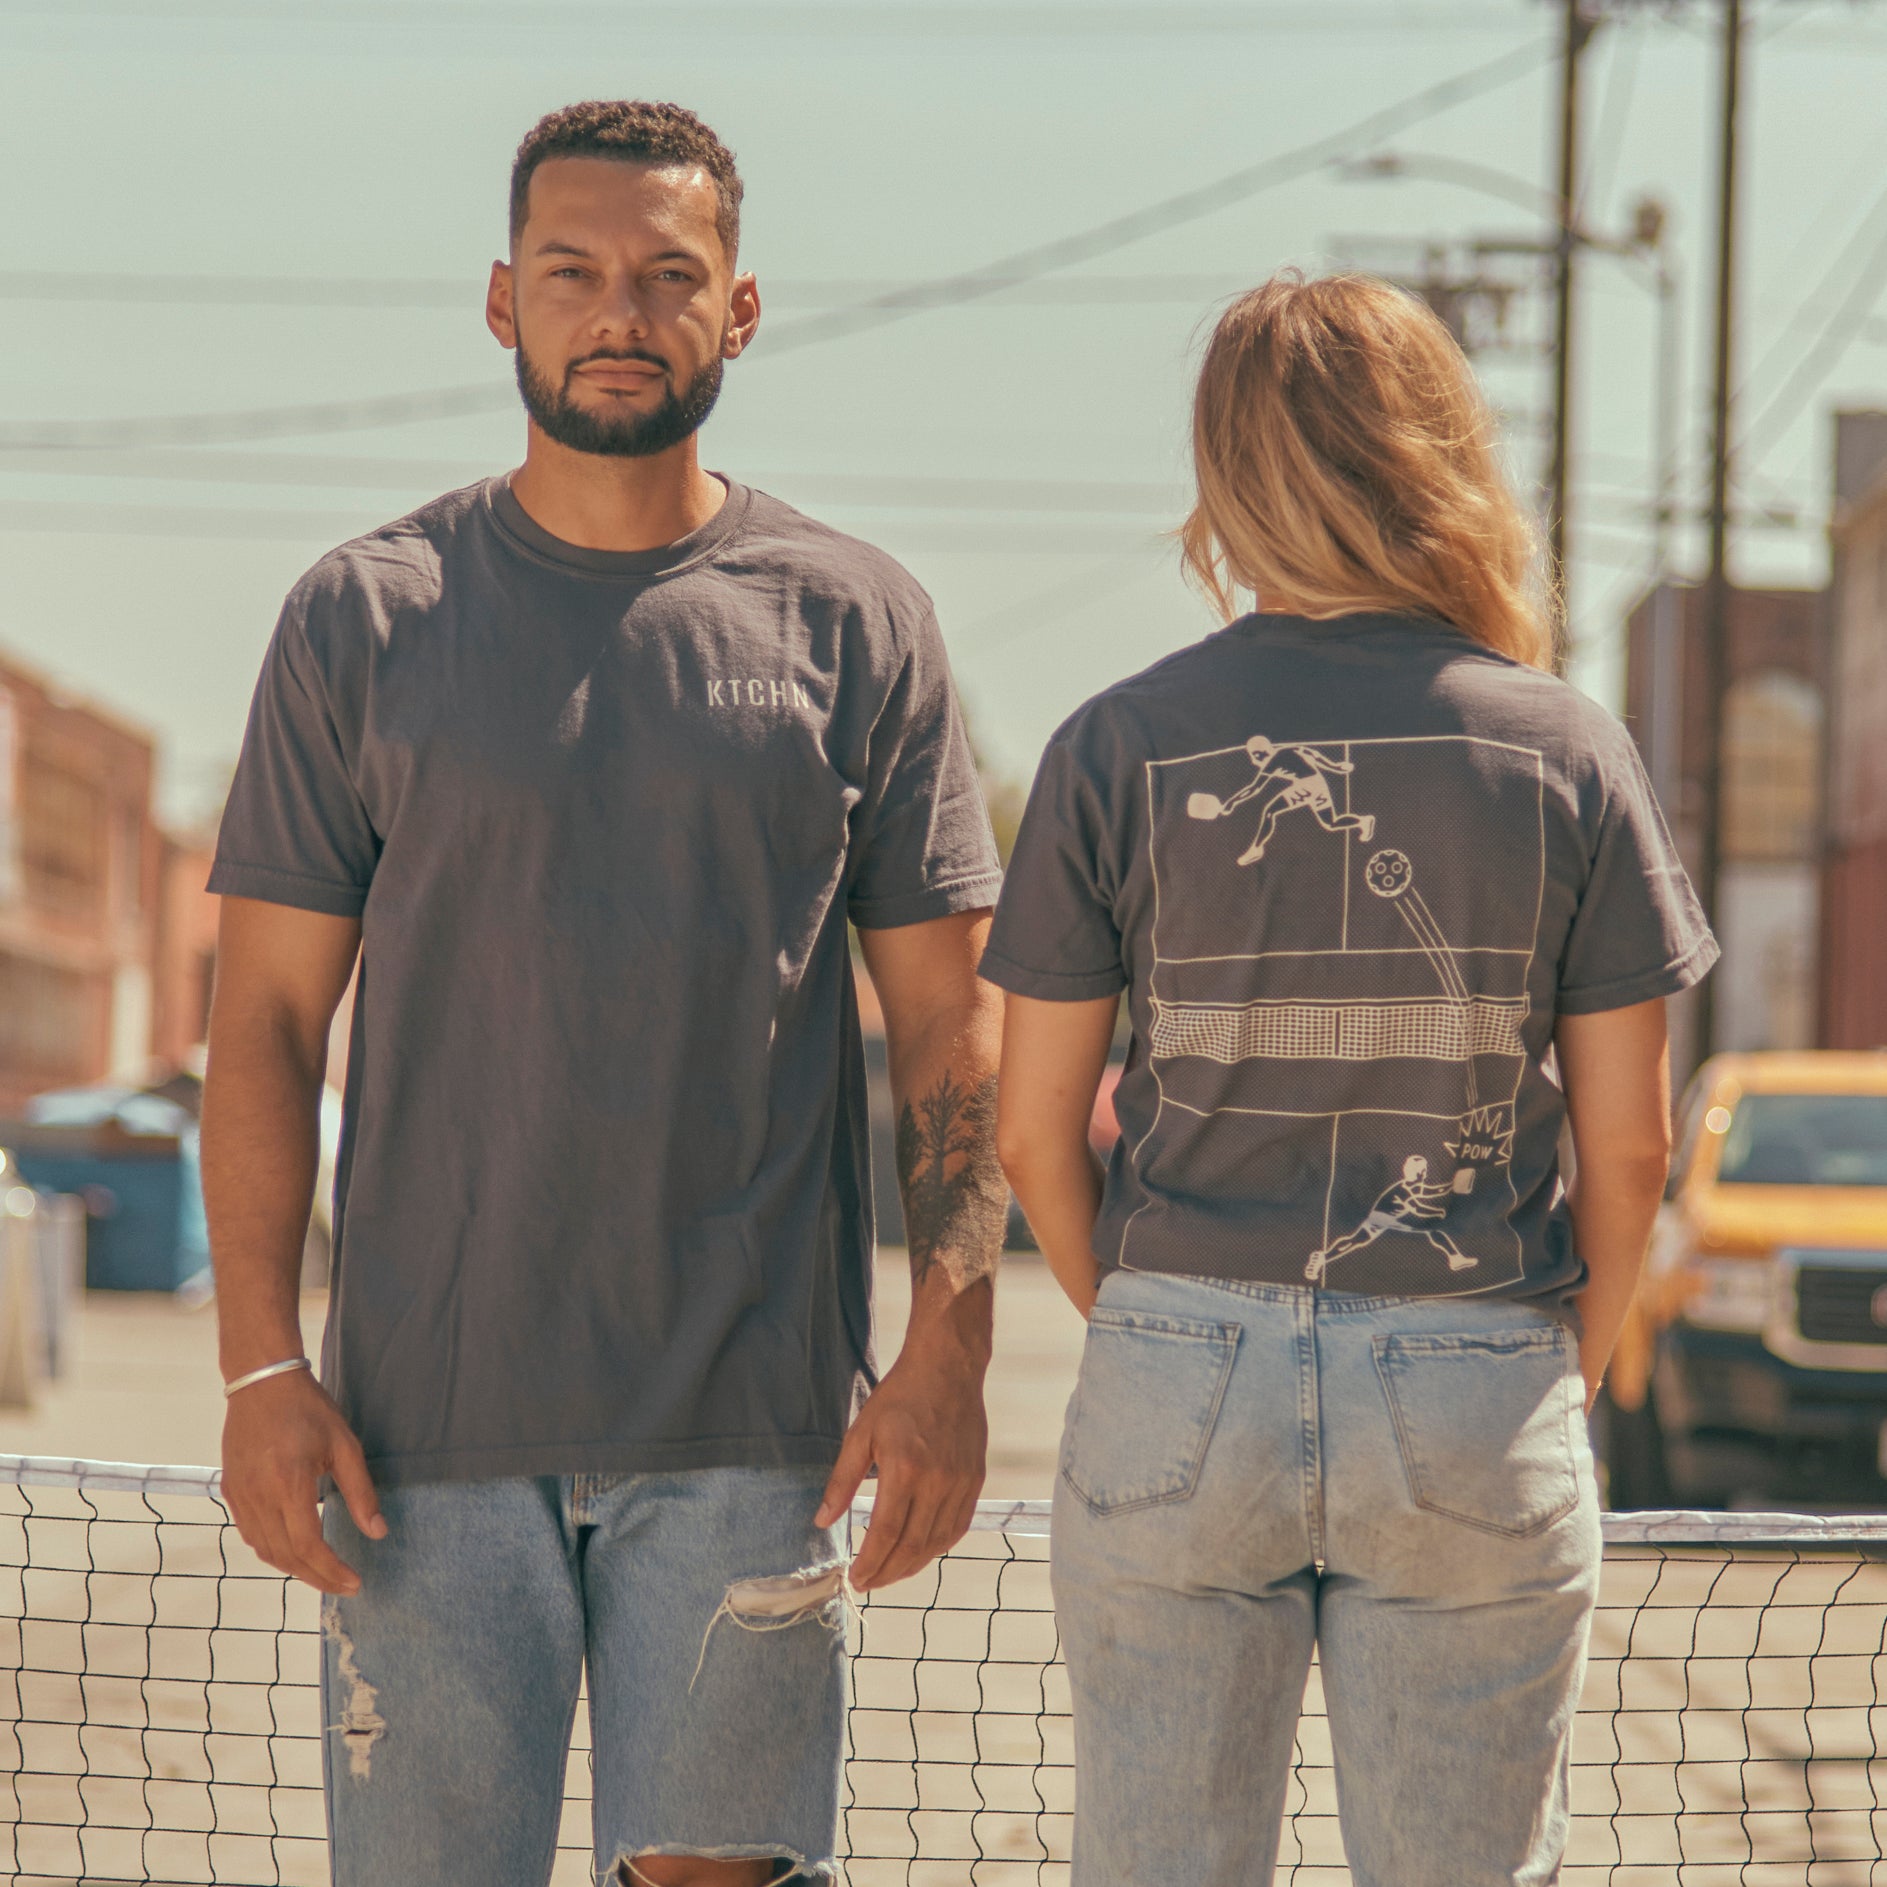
1631 1446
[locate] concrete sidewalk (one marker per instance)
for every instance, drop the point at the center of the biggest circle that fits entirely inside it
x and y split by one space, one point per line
145 1387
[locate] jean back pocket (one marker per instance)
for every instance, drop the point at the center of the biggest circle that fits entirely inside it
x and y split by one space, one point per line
1485 1425
1144 1407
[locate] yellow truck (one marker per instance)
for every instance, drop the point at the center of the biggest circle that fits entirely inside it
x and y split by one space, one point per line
1755 1359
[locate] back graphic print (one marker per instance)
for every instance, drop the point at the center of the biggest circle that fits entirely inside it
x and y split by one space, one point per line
1349 874
1310 966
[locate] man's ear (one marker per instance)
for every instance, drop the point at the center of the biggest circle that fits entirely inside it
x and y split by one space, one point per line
500 312
743 317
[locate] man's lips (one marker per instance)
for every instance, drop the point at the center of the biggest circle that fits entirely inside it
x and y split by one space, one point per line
628 374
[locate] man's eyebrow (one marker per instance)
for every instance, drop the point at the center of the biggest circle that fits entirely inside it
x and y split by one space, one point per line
552 247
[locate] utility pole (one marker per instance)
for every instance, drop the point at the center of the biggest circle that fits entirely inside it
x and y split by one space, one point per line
1716 597
1577 28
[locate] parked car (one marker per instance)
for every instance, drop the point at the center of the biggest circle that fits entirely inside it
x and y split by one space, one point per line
1755 1358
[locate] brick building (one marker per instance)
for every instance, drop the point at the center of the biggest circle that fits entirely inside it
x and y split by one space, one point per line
183 949
1854 921
79 868
1769 887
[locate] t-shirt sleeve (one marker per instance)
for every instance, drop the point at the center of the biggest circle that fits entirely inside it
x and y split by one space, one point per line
294 831
1055 934
1639 932
923 846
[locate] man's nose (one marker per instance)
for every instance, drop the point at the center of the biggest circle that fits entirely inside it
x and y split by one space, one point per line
620 313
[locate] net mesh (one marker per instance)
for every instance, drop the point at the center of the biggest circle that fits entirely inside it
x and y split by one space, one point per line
1421 1029
159 1718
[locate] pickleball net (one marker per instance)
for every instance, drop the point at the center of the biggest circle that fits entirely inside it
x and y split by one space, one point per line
160 1723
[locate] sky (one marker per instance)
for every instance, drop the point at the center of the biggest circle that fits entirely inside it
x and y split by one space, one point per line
228 208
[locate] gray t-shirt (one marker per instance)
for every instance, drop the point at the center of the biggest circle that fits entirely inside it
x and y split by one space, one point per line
604 1200
1349 873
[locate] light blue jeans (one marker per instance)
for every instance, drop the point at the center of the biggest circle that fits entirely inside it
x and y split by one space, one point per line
449 1682
1405 1483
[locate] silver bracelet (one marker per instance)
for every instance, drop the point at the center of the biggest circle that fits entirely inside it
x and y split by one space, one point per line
264 1373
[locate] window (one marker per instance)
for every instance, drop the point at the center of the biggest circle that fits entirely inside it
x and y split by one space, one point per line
1806 1140
1771 760
48 1022
63 837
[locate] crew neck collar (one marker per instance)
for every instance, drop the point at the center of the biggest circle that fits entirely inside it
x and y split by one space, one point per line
1359 622
525 533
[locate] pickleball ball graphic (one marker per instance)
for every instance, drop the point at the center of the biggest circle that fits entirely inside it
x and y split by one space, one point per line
1389 872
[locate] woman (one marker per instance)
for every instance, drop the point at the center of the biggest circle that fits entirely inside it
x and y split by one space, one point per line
1390 906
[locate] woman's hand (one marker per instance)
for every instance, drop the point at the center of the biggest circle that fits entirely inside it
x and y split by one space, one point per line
1053 1054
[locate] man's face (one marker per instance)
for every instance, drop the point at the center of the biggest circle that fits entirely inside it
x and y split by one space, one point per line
621 303
1414 1168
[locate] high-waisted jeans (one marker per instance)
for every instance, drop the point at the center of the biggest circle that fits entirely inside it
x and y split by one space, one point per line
1251 1470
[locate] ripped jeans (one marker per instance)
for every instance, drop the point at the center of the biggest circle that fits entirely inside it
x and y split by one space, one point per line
449 1682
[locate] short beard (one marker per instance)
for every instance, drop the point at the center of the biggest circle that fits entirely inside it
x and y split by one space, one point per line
629 435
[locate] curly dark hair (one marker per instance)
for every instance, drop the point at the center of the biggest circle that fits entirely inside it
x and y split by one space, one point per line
634 131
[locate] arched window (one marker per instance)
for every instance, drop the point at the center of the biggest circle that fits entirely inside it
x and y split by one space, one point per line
1771 767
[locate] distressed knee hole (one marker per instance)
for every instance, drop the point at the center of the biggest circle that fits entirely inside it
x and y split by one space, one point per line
779 1601
361 1725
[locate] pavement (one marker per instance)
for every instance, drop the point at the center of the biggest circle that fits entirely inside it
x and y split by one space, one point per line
144 1385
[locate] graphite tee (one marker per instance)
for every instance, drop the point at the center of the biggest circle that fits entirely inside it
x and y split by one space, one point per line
1349 873
603 1201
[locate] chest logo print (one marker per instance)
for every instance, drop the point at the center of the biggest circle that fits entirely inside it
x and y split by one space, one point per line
752 691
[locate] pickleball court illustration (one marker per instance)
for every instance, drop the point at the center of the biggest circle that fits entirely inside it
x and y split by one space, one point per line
1342 936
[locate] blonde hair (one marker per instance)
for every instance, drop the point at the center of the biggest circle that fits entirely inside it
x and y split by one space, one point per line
1346 461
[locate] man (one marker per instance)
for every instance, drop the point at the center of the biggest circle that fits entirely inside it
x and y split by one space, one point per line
589 767
1287 777
1409 1207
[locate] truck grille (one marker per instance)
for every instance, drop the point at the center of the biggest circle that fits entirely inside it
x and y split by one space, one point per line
1839 1303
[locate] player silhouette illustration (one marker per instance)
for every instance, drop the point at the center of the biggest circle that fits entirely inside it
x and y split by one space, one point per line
1287 777
1404 1208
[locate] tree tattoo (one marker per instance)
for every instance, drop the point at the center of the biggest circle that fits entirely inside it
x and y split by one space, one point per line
955 1201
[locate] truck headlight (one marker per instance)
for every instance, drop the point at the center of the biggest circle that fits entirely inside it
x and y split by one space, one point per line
1729 1293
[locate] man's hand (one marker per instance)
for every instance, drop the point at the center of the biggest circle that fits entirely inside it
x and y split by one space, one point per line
924 1428
279 1438
925 1431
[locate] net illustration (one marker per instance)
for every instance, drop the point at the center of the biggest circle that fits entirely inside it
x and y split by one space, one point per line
160 1723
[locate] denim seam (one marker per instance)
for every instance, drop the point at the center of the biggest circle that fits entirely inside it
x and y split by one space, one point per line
1329 1302
1309 1404
1413 1477
1227 1335
1159 1323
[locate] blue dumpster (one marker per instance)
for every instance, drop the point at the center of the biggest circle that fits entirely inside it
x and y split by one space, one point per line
132 1159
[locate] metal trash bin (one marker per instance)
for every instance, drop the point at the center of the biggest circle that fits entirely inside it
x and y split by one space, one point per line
59 1240
22 1323
132 1159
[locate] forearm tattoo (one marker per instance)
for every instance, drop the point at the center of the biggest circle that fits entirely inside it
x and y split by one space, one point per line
955 1199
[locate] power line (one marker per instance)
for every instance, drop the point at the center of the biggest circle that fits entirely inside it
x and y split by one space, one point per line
1813 367
314 291
1017 536
1029 615
1073 496
1017 19
1784 347
954 290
